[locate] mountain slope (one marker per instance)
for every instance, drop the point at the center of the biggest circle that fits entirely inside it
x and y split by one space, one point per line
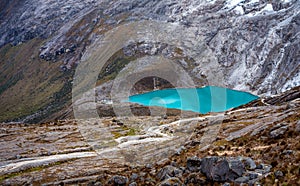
253 43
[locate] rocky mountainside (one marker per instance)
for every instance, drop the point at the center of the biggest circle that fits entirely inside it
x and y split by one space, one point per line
253 44
257 144
67 66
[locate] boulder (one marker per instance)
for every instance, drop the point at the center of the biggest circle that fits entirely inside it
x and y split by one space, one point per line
243 179
249 163
168 172
236 166
133 184
195 178
118 180
215 168
252 175
278 132
278 174
134 177
193 164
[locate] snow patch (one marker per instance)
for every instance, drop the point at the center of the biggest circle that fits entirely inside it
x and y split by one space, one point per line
253 2
232 3
287 1
292 83
239 10
268 8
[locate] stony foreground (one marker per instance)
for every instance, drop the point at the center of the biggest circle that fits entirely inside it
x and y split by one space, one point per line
257 144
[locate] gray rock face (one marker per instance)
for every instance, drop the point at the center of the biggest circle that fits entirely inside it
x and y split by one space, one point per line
118 180
168 172
278 132
195 178
222 169
252 175
297 128
133 184
193 164
236 166
278 174
250 164
243 179
256 45
134 177
32 18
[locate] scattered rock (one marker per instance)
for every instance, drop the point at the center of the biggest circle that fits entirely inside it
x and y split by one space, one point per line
243 179
134 177
193 164
249 163
195 178
260 166
142 175
98 184
171 182
133 184
259 130
252 175
278 132
215 168
278 174
163 161
174 164
94 183
180 150
149 166
254 182
236 166
297 127
287 152
263 168
118 180
168 172
3 130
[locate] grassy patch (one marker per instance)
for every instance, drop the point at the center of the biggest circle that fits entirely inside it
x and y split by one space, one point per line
126 131
113 66
27 82
221 142
34 169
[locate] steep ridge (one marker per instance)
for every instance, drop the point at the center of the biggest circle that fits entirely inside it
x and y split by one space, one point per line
253 43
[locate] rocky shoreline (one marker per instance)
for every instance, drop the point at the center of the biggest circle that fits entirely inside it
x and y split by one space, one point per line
256 144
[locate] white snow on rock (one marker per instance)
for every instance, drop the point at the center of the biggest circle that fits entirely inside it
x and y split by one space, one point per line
239 10
268 8
253 1
292 83
232 3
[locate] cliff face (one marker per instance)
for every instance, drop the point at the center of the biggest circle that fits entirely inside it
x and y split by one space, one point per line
253 43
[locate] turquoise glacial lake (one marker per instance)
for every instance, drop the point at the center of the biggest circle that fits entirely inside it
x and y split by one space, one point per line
202 100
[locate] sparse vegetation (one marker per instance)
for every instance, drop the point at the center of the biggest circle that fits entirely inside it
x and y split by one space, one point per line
30 83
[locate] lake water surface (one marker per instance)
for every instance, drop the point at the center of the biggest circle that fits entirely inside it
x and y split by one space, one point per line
202 100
